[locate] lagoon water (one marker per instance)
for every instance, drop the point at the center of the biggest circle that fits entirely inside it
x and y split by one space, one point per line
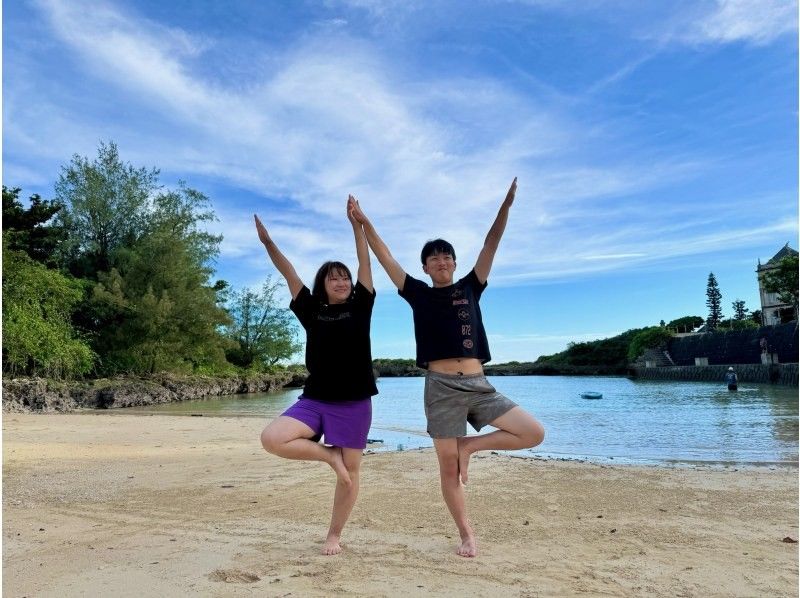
636 421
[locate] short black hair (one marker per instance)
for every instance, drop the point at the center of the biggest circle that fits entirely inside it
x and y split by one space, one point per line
435 247
318 292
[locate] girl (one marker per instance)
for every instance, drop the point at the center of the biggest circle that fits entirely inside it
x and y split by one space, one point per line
336 401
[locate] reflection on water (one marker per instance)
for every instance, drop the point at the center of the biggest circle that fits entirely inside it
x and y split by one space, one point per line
635 421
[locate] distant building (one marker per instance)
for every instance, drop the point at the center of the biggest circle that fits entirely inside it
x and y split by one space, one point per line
773 311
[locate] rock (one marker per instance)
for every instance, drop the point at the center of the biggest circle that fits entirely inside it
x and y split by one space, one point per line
47 396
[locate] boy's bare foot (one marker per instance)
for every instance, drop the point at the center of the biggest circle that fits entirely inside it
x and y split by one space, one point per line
463 460
331 545
337 463
469 547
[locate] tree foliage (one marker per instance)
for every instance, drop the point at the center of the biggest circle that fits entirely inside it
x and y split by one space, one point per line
612 352
648 338
156 307
713 302
104 207
685 324
261 332
27 230
38 338
739 310
783 280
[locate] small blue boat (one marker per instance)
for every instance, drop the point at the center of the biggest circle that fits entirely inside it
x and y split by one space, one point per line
591 394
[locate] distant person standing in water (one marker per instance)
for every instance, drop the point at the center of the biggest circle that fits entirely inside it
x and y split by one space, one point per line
336 402
731 379
452 347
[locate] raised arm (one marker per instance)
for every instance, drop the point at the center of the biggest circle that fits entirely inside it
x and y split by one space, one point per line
362 250
379 248
279 260
485 258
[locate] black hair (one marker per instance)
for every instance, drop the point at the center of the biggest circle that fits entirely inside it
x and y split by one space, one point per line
318 292
435 247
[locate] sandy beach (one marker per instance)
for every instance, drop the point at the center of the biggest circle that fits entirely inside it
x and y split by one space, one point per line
111 504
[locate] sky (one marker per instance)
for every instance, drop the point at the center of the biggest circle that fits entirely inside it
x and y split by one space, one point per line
654 142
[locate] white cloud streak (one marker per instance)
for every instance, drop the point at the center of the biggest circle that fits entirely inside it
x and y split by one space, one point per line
426 158
758 22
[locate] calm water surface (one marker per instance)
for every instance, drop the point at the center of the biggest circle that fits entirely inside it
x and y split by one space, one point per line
636 421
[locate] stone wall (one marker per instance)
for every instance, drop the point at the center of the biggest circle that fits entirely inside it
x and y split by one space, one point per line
784 373
736 346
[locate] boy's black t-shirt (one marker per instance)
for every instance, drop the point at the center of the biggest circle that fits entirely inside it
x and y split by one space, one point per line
338 353
447 320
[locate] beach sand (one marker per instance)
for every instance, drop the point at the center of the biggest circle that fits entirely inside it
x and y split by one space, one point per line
120 505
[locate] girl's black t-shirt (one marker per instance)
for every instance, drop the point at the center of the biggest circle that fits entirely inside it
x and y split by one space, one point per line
338 352
447 320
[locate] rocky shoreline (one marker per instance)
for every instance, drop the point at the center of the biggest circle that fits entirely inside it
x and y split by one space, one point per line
40 395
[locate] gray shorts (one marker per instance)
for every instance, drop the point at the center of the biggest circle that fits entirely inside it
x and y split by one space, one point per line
452 400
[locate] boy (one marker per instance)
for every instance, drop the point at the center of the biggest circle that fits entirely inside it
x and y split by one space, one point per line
452 347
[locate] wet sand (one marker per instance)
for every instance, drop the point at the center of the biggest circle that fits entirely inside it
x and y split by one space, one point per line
124 505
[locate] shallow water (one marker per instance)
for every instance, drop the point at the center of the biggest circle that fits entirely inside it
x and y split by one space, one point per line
636 421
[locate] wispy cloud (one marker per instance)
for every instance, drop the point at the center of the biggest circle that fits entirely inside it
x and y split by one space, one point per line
743 20
330 115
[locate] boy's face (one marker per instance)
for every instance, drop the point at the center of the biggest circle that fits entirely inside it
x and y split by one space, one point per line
440 267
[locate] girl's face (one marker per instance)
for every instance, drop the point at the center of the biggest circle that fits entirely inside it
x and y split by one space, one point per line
338 287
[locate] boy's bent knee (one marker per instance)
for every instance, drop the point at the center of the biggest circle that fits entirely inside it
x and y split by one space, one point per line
534 436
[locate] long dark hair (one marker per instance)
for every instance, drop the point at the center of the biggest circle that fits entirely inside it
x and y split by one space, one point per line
318 292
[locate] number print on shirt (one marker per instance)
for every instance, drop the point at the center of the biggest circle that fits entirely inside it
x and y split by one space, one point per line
466 329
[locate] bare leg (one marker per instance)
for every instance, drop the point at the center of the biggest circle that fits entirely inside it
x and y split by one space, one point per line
453 493
290 438
343 500
517 429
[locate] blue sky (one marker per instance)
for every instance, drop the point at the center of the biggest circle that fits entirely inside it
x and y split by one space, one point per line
654 142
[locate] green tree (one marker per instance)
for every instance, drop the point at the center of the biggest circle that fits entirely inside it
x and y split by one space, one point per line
262 333
28 229
685 324
648 338
739 310
157 310
713 302
104 207
783 280
38 338
755 316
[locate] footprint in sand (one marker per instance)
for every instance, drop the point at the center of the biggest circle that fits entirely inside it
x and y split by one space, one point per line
233 576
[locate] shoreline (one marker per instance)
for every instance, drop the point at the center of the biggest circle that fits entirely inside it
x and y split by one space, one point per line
153 506
44 395
530 454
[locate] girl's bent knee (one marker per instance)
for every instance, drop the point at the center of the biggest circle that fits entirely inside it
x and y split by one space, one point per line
268 440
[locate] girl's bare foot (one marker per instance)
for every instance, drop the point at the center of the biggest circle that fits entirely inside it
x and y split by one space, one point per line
331 545
469 547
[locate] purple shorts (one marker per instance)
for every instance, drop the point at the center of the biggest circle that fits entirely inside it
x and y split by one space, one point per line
344 424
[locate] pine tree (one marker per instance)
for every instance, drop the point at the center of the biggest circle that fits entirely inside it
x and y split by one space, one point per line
739 310
713 302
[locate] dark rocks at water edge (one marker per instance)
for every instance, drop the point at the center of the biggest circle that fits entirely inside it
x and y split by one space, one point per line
43 395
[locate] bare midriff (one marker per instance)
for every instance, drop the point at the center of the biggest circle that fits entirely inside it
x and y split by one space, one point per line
456 366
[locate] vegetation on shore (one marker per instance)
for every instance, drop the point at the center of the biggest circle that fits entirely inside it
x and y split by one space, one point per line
114 276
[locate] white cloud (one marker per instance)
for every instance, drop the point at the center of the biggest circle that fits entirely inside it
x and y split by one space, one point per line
329 116
759 22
